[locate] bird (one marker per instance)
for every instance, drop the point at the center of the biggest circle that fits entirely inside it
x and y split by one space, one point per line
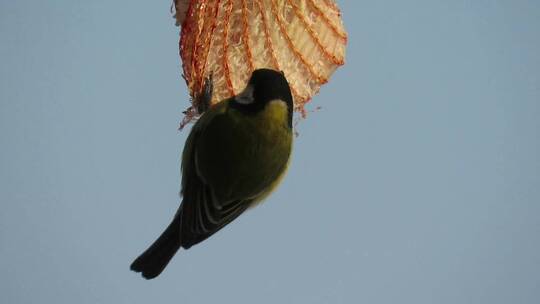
236 154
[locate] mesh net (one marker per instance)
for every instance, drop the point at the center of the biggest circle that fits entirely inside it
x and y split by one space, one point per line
228 39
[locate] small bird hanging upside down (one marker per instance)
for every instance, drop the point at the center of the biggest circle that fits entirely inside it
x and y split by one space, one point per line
235 155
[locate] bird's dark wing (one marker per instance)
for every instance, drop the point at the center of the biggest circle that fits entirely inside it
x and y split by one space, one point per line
198 217
229 163
202 213
202 216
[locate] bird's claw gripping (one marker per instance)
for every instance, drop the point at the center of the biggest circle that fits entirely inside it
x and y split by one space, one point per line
200 102
203 99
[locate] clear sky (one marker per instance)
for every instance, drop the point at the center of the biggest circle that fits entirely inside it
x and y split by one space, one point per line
417 182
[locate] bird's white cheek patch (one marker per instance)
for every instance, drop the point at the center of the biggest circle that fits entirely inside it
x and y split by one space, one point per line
246 96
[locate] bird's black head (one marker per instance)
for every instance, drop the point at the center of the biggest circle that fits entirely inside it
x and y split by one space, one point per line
264 86
269 85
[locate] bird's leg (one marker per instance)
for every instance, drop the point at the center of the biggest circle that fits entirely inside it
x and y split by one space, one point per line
203 99
200 101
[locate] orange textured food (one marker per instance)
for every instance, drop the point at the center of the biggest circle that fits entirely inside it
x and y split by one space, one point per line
228 39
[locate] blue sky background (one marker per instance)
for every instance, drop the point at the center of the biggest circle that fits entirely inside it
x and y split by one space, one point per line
417 182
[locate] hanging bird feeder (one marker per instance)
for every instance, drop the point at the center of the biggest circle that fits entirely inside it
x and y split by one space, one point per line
228 39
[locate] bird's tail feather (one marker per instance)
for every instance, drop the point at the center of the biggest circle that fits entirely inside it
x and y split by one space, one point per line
152 262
